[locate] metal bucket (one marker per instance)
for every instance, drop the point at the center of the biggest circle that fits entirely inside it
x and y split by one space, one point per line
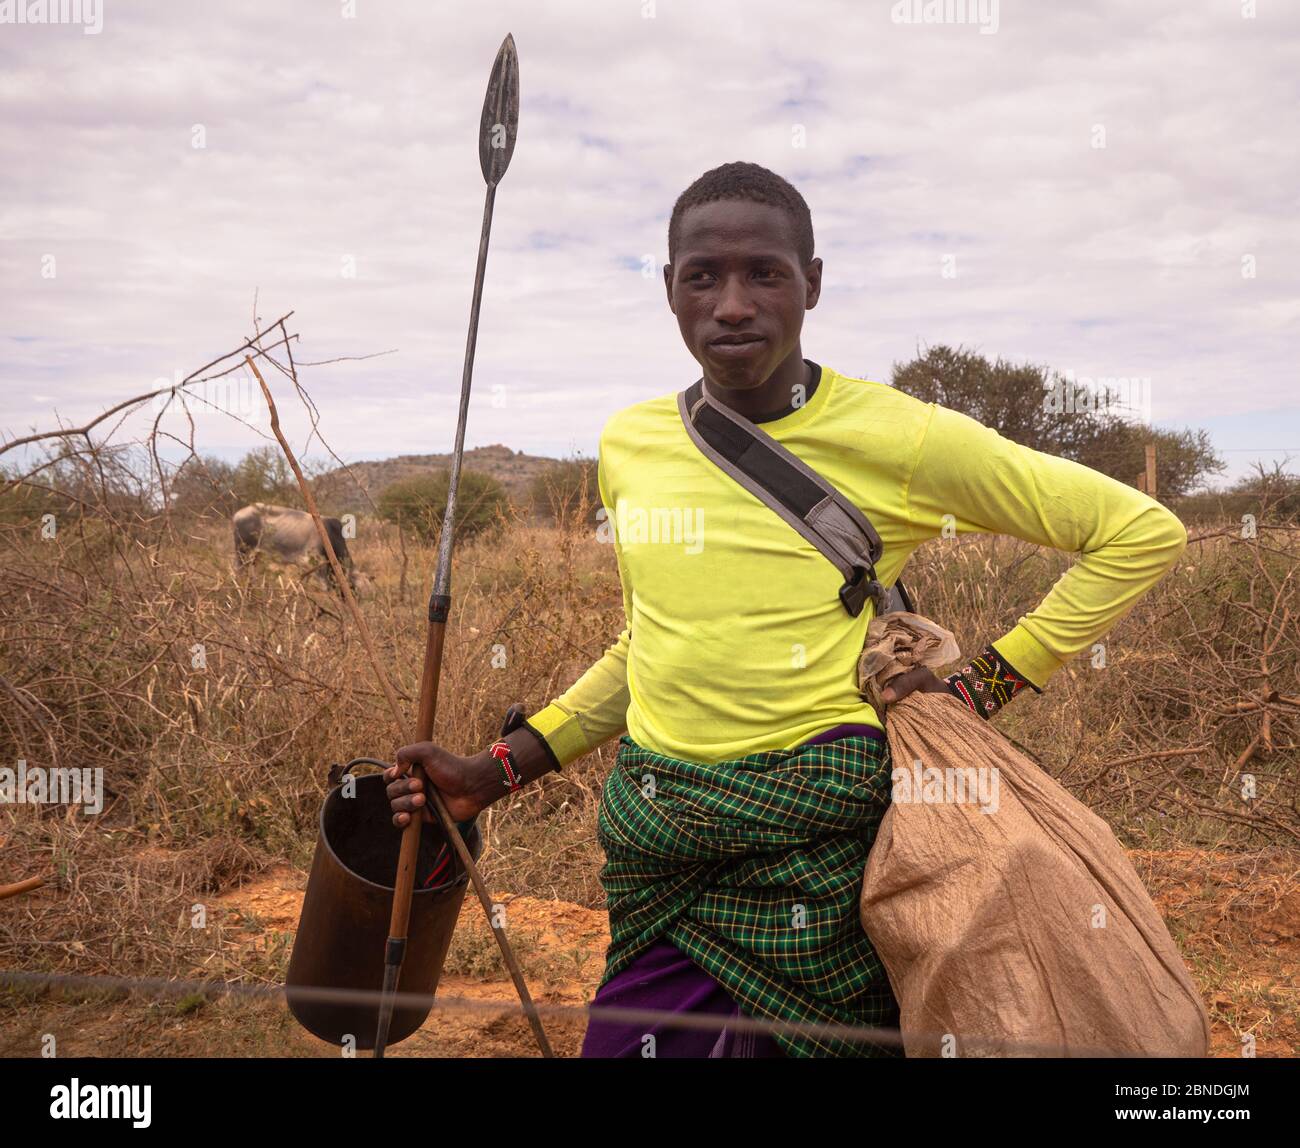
343 930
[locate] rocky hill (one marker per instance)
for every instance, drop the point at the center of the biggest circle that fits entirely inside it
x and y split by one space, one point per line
343 489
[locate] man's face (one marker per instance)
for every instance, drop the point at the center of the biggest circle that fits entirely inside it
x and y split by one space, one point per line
739 290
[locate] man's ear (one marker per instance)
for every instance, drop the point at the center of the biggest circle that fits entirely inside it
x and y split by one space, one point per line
668 286
813 274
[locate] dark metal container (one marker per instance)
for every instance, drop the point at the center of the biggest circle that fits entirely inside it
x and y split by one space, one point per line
346 913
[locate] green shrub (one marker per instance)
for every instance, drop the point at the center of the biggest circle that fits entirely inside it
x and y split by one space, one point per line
418 503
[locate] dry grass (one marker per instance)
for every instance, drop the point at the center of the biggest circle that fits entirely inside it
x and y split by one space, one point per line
223 767
214 772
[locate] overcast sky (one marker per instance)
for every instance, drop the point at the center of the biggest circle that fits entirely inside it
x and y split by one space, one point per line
338 178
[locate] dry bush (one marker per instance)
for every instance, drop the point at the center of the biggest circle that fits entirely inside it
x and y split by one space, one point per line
214 700
98 642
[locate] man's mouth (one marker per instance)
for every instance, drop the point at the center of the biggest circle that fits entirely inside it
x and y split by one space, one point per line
736 346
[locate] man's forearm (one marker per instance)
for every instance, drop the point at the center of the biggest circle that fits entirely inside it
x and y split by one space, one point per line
590 711
530 753
500 774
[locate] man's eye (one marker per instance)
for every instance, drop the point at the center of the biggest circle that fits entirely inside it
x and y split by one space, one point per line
767 272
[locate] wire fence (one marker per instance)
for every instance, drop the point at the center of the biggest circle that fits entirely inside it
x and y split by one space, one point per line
960 1044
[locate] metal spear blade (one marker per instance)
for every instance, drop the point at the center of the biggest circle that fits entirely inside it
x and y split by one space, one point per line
500 123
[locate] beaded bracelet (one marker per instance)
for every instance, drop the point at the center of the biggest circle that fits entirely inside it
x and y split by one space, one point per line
987 682
505 759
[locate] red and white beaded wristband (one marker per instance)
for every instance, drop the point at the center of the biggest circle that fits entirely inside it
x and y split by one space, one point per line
504 756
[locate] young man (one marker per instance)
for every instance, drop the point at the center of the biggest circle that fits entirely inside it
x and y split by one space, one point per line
751 775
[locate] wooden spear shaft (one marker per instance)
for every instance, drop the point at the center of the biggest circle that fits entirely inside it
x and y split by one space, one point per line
498 127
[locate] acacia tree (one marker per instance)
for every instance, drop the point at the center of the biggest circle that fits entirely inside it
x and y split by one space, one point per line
1018 401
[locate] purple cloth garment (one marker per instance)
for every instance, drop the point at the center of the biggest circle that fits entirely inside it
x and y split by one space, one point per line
664 979
849 729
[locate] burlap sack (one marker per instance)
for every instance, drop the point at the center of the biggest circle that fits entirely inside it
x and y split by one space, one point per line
1007 915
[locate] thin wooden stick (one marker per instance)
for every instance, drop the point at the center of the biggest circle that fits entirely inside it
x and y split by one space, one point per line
21 887
449 826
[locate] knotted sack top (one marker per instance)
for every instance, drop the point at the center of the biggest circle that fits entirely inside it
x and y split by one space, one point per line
898 642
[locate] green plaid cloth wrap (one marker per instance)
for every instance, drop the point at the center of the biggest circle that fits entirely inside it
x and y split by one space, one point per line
753 868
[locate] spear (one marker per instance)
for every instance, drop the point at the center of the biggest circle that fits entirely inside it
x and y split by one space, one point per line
497 129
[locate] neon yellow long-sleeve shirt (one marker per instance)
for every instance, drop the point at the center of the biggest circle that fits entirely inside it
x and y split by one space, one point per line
735 638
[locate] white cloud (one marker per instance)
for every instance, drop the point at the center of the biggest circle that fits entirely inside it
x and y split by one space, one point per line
329 138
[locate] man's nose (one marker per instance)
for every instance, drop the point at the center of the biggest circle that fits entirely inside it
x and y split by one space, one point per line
733 303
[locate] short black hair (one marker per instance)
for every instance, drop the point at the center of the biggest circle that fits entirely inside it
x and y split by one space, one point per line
754 183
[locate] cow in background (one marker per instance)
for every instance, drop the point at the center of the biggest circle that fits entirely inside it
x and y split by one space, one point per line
289 535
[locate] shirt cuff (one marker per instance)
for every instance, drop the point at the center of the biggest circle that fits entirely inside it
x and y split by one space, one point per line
1027 657
560 733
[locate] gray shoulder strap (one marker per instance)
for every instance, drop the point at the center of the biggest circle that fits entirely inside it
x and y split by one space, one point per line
785 483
